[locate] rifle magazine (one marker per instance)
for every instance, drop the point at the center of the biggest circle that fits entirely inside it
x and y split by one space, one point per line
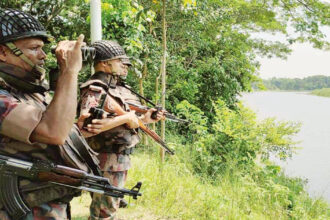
10 196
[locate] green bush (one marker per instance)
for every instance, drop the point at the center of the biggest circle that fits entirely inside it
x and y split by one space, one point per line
220 171
235 138
325 92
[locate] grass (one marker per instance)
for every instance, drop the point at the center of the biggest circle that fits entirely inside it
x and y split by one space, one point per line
325 92
173 191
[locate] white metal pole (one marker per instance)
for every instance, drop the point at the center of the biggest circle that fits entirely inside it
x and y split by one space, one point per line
96 24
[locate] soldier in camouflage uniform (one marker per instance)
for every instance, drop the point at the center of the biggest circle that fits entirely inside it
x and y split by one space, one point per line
30 128
115 136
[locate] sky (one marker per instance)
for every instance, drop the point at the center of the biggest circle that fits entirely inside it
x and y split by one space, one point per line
302 62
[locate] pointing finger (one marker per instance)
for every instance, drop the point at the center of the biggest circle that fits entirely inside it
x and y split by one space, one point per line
79 41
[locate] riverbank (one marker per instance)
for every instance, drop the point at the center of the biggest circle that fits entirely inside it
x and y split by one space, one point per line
325 92
172 191
221 170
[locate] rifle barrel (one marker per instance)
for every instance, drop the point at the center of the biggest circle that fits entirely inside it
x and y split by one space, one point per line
64 176
144 109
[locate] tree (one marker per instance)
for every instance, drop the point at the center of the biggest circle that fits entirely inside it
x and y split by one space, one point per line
211 43
213 50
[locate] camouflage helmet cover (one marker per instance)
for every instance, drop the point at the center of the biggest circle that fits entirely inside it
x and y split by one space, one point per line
109 50
15 25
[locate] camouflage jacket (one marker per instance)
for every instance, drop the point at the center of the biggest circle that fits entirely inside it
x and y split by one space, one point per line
118 139
20 113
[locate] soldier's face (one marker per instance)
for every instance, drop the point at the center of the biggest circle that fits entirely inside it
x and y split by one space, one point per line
118 68
32 49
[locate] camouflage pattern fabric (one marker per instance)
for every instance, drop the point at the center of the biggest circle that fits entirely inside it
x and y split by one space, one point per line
10 100
7 103
49 211
117 139
105 207
109 144
3 215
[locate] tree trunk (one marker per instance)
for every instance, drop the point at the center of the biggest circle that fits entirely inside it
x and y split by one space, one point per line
163 71
144 74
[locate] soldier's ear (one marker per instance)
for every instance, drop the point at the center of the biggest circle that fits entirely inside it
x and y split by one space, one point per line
3 53
108 65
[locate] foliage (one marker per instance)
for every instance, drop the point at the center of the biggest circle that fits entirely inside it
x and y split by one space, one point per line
325 92
125 21
308 83
235 138
211 44
222 168
62 18
212 48
173 191
217 173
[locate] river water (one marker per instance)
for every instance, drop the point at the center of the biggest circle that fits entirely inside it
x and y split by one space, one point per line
312 161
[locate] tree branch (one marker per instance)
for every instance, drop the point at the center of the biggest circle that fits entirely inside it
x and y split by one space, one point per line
306 6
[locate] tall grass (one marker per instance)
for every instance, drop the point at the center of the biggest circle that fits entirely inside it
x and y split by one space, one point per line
221 170
172 191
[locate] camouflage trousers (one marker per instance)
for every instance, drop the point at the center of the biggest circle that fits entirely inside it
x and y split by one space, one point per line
48 211
105 207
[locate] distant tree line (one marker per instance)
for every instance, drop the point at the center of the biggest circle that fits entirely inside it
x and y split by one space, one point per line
308 83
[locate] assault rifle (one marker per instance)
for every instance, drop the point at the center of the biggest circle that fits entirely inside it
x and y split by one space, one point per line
11 169
144 109
115 106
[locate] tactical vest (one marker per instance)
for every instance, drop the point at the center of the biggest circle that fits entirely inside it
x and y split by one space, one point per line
120 138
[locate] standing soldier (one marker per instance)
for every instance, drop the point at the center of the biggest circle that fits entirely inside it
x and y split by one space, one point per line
31 129
115 136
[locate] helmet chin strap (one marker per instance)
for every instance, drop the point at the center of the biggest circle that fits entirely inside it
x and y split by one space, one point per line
37 71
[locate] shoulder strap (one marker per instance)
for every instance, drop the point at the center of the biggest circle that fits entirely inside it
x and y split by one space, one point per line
84 150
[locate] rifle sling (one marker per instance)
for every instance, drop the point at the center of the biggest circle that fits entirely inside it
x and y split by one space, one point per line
81 147
137 94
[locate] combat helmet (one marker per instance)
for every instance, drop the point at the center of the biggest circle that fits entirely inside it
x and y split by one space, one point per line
109 50
16 25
